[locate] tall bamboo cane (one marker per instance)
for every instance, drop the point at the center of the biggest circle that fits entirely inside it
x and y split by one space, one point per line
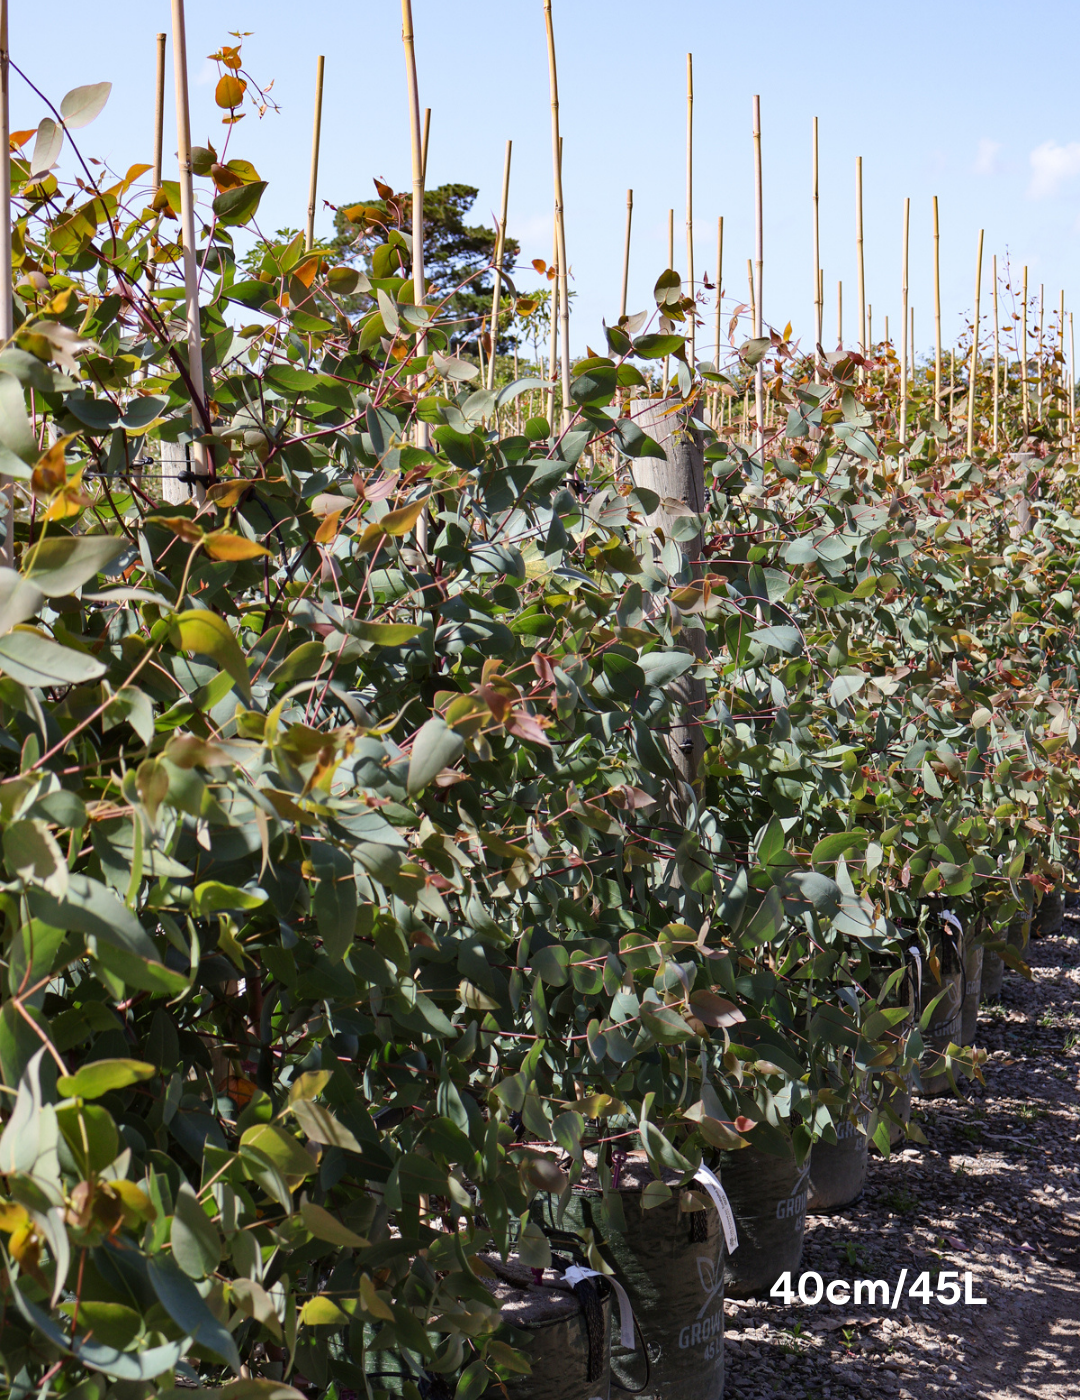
1060 373
974 370
423 440
1041 381
316 133
759 267
937 312
159 109
500 246
1025 410
860 253
424 144
626 253
199 459
904 326
7 310
997 360
839 315
818 308
690 207
1072 384
719 313
671 264
870 326
560 214
553 337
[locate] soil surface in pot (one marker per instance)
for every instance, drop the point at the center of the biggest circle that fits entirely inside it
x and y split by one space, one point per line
996 1192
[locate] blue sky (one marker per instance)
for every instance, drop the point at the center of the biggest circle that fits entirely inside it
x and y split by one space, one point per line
952 98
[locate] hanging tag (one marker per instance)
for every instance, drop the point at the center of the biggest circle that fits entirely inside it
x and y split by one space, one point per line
576 1274
711 1183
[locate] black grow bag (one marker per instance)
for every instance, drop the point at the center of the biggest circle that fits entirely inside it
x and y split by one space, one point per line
838 1169
974 961
671 1263
565 1332
768 1195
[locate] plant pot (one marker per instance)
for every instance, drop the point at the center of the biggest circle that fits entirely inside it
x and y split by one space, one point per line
768 1196
567 1333
973 968
899 1099
945 1024
1050 915
993 973
671 1263
838 1169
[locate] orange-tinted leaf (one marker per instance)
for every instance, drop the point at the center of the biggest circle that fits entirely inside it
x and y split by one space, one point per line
327 531
222 544
230 91
227 493
50 473
180 525
402 520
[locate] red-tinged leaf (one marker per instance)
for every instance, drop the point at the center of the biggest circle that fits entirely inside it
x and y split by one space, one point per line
528 727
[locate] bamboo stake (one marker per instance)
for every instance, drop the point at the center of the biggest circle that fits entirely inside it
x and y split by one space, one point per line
1072 383
553 339
1041 385
759 251
500 246
870 326
937 313
424 144
7 311
560 217
1060 374
159 109
719 312
690 208
997 361
753 298
818 307
199 460
626 253
904 326
1024 406
839 315
859 251
419 285
671 264
316 132
974 370
719 282
911 352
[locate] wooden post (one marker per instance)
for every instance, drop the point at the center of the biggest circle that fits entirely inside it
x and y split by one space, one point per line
859 252
1025 411
997 361
200 464
560 214
692 338
904 327
818 308
974 370
759 266
500 247
937 313
626 253
315 135
159 109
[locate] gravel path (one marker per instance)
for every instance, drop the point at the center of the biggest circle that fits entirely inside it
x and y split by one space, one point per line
996 1192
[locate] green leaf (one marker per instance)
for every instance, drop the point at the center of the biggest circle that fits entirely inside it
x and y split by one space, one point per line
205 633
196 1244
212 897
435 747
831 848
237 206
656 347
180 1299
62 563
19 599
320 1125
102 1076
844 687
31 852
386 634
36 660
115 935
81 105
329 1229
90 1133
334 900
16 434
281 1148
